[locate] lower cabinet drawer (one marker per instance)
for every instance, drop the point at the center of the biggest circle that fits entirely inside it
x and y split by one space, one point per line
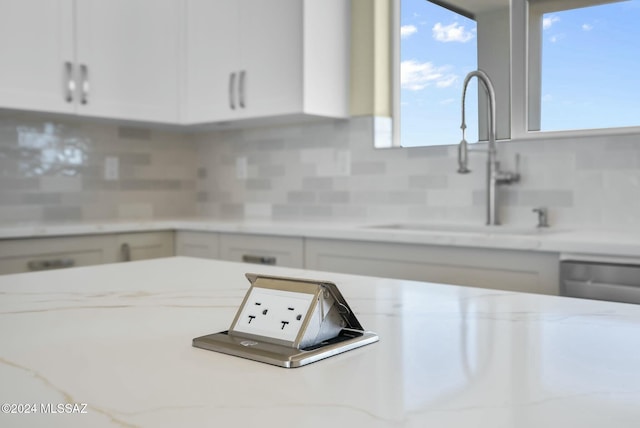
30 255
204 245
144 245
36 254
524 271
262 249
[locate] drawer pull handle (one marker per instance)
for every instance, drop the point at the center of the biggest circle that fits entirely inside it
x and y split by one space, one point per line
84 95
232 91
261 260
242 96
125 252
36 265
70 85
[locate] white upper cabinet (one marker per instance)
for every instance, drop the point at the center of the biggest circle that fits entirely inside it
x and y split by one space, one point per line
176 61
254 59
213 56
36 54
271 64
116 58
128 54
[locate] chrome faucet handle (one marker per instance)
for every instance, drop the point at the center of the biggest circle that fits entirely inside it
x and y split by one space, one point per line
543 216
463 156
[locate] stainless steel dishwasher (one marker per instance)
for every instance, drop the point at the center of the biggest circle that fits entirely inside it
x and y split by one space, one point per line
600 281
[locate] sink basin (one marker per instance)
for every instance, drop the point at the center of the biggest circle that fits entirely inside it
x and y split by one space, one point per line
463 228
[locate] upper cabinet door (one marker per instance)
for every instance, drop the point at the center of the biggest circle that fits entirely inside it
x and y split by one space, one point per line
36 55
213 57
271 40
257 59
128 59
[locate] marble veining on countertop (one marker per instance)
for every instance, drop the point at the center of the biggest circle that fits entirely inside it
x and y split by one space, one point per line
605 242
117 339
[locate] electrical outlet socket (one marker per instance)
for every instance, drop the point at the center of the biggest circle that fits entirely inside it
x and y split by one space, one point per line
289 322
242 172
111 168
286 312
274 313
343 158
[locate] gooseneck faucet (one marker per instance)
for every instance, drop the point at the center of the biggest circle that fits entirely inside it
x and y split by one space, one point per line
495 177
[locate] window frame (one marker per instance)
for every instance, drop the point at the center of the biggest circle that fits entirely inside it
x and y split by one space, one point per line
526 42
521 69
498 68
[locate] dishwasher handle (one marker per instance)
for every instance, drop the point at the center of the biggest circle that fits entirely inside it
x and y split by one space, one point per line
601 291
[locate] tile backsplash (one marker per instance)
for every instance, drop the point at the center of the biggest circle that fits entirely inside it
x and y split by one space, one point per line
331 170
67 170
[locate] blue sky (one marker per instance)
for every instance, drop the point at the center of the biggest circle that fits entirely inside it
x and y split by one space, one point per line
438 49
589 69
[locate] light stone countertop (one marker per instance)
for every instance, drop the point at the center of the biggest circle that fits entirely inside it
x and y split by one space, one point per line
576 243
118 338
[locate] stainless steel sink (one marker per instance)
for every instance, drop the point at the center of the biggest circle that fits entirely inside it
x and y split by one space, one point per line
463 228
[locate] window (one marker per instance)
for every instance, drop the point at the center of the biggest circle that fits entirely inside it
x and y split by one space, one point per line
438 47
583 64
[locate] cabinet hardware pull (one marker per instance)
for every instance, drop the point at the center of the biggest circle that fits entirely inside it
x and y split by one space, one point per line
35 265
232 92
261 260
125 251
243 79
70 84
84 75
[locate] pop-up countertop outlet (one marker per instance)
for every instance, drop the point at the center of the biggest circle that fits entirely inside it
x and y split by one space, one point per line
289 322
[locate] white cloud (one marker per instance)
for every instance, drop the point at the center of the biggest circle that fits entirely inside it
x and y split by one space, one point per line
407 30
549 21
447 81
556 37
451 33
415 75
587 27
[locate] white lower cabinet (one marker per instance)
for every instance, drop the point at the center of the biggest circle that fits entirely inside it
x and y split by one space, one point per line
144 245
262 249
29 255
36 254
204 245
241 247
512 270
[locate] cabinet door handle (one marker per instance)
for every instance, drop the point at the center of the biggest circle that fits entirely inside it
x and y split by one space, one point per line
232 92
125 252
261 260
84 76
36 265
242 92
70 84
